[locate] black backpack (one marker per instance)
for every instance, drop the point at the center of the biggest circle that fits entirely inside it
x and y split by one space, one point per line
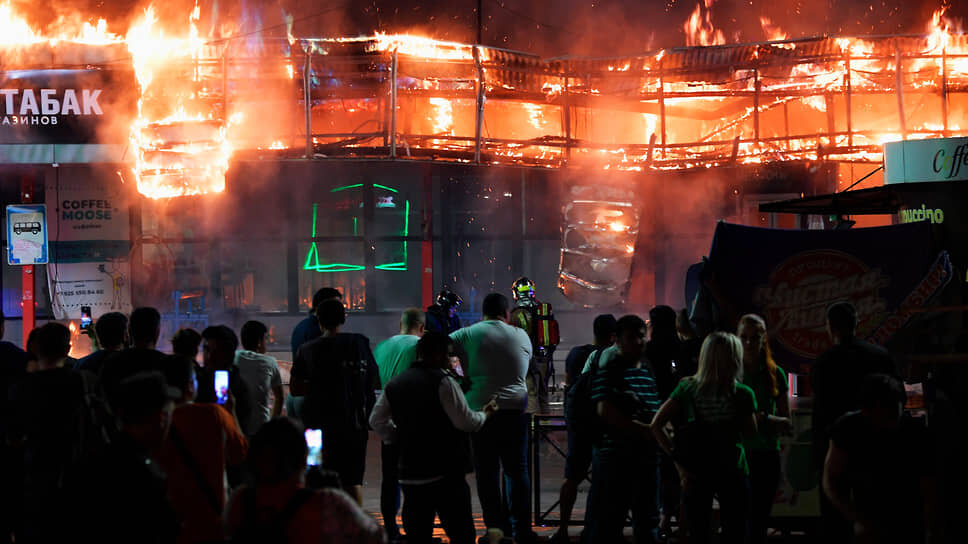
96 425
275 530
581 414
337 396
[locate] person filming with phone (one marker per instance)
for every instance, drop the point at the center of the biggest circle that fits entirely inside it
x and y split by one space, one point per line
218 355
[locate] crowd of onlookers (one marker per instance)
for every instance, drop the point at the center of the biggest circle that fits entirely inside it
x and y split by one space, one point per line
129 444
132 445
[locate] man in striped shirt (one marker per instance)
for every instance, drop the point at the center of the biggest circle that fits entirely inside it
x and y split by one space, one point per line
625 460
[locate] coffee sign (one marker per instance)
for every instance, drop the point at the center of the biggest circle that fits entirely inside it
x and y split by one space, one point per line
940 159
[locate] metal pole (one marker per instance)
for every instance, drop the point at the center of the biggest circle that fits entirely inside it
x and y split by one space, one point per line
786 120
27 272
479 121
567 104
899 82
944 91
831 119
393 106
848 88
225 83
662 112
307 103
756 107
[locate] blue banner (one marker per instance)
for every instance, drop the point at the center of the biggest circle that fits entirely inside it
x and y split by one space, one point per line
790 277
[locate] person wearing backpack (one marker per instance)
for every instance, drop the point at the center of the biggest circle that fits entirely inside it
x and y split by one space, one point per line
624 460
538 320
277 507
339 377
577 386
714 413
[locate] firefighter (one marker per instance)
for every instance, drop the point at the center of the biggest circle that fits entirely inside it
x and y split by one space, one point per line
538 320
442 316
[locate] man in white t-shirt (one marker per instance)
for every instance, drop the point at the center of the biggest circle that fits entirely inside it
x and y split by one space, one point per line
495 356
261 372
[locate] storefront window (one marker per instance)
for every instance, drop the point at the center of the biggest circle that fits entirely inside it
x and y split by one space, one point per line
332 264
253 276
170 272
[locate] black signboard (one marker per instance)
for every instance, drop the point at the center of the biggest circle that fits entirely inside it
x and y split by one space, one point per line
68 106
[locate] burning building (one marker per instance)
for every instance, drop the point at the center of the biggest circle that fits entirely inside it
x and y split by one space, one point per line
374 162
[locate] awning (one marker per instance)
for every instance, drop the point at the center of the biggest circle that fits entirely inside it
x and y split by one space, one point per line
887 199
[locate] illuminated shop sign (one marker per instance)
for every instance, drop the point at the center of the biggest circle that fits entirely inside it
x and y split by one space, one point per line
924 213
66 106
940 159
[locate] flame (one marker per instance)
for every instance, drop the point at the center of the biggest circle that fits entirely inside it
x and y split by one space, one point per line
443 119
536 116
182 138
699 27
178 149
77 344
420 46
773 32
14 30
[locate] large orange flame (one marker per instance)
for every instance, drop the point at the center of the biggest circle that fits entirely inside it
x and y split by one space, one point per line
699 27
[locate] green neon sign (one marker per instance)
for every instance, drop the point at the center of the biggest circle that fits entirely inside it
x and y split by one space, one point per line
312 257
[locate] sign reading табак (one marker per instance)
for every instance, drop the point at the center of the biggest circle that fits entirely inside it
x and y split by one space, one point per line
66 106
27 234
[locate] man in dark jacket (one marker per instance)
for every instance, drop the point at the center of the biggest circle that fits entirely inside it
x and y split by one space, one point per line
836 379
424 411
144 327
338 376
308 328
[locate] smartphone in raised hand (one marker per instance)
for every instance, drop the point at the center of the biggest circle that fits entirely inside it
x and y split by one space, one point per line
314 445
221 386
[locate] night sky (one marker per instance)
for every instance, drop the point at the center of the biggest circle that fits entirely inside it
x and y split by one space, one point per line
544 27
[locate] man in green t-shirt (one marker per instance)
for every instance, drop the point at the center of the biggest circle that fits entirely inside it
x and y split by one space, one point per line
393 356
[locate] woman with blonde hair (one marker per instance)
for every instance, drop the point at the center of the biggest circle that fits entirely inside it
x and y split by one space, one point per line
712 412
769 384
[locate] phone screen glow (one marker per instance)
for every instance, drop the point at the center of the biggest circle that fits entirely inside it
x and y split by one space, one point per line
221 386
314 443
